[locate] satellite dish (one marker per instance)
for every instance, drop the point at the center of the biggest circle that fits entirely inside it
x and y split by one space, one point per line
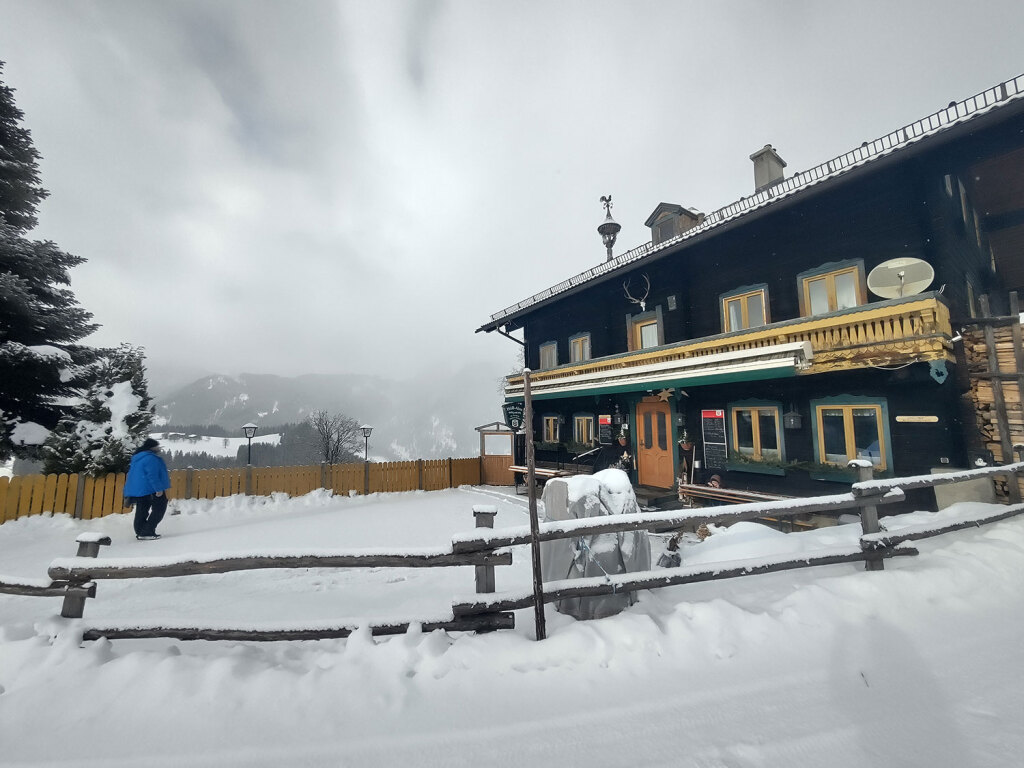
896 278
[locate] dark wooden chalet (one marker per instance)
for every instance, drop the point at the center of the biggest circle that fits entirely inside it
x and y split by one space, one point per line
758 336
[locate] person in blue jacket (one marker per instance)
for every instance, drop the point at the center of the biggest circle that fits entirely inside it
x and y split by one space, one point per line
146 487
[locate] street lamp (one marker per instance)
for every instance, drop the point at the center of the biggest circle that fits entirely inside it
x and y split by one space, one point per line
366 429
250 432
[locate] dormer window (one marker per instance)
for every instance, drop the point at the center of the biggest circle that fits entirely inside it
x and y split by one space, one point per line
669 220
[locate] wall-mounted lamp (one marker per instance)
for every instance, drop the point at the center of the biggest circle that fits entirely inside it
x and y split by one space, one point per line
792 419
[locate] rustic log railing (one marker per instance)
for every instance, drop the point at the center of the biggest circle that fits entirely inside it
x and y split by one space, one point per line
74 578
77 577
866 495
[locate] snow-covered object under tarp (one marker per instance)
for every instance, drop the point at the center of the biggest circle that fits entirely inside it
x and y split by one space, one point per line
607 492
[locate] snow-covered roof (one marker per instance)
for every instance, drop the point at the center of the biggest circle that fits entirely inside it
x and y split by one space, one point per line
958 112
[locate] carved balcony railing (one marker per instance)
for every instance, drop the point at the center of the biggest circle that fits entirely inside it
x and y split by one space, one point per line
879 334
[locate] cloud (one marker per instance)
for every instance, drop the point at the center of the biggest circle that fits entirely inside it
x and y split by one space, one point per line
343 187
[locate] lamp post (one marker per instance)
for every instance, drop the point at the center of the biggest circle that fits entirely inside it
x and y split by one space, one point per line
250 432
366 430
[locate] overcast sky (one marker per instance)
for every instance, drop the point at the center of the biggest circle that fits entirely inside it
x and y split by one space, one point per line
325 187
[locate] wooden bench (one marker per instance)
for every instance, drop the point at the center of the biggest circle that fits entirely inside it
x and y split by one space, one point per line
544 473
734 496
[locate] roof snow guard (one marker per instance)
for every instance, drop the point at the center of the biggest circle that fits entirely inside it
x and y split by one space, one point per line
957 112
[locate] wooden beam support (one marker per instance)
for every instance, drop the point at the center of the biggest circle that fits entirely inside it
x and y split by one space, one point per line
124 569
483 623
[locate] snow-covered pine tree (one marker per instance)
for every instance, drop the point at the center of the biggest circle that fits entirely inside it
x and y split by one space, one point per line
40 320
103 428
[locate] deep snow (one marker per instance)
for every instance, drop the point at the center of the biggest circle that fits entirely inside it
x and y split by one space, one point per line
917 665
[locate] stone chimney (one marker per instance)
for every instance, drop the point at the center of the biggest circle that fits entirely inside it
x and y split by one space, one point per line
767 168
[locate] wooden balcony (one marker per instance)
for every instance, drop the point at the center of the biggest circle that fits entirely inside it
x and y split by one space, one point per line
884 333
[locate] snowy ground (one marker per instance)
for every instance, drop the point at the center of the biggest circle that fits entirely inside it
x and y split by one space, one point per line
918 665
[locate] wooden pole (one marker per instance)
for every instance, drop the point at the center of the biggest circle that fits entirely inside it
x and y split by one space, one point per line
531 489
868 515
484 516
189 480
419 474
74 604
366 478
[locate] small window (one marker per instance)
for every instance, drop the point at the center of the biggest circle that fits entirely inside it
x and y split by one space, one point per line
579 348
755 432
550 428
832 290
583 428
645 331
665 229
548 355
851 431
746 309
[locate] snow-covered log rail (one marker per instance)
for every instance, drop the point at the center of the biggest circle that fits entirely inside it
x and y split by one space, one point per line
13 585
170 567
79 574
479 623
513 536
555 591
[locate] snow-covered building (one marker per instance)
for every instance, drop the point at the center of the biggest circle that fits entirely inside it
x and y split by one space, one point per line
813 321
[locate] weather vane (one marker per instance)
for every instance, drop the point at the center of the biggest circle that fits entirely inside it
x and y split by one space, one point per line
610 228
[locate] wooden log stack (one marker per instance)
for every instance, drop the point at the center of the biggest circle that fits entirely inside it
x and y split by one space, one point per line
994 352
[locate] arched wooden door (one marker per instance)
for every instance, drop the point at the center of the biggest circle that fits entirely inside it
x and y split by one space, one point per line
654 444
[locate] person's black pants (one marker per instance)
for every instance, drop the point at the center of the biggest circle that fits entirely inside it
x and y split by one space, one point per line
149 511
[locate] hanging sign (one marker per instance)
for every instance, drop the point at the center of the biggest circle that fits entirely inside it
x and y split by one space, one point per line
513 415
715 448
604 429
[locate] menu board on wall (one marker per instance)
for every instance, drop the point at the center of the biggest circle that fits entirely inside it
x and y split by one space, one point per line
716 451
604 429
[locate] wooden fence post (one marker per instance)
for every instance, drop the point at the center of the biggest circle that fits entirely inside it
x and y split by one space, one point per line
323 474
484 516
189 480
88 546
419 472
248 479
80 496
450 485
868 513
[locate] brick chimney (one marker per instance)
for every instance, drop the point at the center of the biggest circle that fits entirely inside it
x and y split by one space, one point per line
767 168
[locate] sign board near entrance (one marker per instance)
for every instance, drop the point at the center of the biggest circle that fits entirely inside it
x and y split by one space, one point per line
604 429
715 448
513 415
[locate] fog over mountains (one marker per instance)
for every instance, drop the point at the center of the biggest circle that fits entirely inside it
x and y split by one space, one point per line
431 417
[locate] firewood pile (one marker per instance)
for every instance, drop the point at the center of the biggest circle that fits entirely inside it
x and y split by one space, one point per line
983 390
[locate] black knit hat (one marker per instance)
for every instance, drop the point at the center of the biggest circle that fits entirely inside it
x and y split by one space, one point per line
149 445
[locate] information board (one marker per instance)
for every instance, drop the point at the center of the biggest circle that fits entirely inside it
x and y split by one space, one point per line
716 450
604 429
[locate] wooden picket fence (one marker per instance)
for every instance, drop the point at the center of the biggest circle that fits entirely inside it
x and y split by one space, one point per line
86 497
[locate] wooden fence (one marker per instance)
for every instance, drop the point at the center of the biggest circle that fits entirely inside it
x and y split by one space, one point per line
86 497
75 578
